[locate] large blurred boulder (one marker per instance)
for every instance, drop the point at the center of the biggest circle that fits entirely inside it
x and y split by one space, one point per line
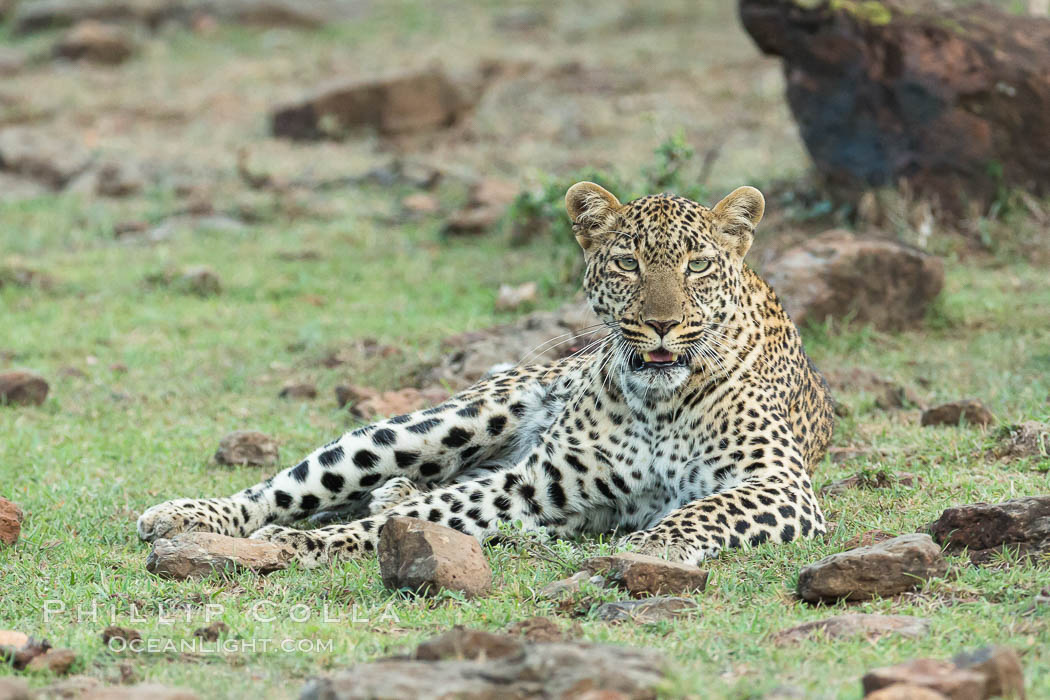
393 104
955 101
871 280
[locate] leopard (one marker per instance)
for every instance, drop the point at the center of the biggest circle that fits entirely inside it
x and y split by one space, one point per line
691 427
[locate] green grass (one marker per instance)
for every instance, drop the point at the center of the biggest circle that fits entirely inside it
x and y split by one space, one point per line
106 445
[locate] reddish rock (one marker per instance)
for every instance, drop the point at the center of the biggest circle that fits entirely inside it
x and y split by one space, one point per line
883 569
537 629
10 523
515 298
196 554
465 643
22 389
393 104
871 627
970 411
929 94
641 574
124 633
95 42
367 403
247 448
421 203
1028 439
486 204
18 650
15 689
1002 668
869 280
868 538
212 632
426 558
984 529
57 661
298 390
941 676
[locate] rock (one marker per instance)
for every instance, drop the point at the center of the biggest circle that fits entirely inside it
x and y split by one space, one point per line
970 411
394 104
966 87
15 689
869 280
871 627
1028 439
883 569
195 554
19 388
888 395
547 670
1002 668
486 204
868 538
212 632
298 390
142 691
247 448
16 273
464 643
537 629
877 480
641 574
200 280
39 15
367 403
905 691
124 633
95 42
10 527
40 155
112 179
75 686
514 298
557 590
984 529
426 558
13 639
57 661
295 14
22 650
646 610
541 336
940 676
12 61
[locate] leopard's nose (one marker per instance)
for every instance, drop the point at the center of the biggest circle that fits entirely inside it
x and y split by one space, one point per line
661 327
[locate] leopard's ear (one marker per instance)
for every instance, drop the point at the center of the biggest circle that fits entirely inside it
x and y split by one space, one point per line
592 209
737 215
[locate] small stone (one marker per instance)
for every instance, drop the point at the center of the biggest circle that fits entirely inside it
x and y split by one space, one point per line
515 298
131 227
940 676
123 633
95 42
465 643
970 411
212 632
19 388
1001 666
421 203
472 221
646 610
11 517
868 538
905 691
247 448
537 629
566 587
426 557
641 574
1028 439
298 390
200 280
984 529
884 569
871 627
57 661
367 403
196 554
877 480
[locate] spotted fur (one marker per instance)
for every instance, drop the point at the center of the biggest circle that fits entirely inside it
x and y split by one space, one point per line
710 449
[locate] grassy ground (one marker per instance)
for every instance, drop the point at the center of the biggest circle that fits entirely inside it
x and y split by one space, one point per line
146 379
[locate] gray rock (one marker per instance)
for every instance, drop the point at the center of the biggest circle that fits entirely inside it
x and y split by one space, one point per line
196 554
943 677
884 569
247 448
646 610
854 625
50 159
984 529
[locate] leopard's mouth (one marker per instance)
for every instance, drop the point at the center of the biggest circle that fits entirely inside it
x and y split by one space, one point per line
657 359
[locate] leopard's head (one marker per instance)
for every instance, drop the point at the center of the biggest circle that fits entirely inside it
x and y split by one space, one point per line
666 274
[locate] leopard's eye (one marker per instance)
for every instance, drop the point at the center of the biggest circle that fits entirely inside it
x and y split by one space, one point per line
699 265
628 264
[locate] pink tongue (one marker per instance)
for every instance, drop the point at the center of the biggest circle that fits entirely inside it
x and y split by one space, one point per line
661 356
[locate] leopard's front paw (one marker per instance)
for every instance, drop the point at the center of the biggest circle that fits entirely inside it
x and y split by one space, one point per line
219 515
658 544
308 549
